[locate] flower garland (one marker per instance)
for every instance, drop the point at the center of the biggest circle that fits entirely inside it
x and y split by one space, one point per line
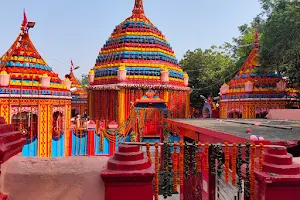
213 157
233 164
181 163
175 167
252 176
247 180
219 157
226 151
187 161
199 157
260 164
206 157
148 152
156 178
239 168
193 157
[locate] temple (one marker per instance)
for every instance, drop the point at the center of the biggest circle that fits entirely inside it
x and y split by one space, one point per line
33 98
252 92
136 58
79 95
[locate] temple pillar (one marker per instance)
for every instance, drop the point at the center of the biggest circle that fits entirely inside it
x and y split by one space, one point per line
187 104
45 129
5 110
129 175
121 107
68 132
251 112
280 177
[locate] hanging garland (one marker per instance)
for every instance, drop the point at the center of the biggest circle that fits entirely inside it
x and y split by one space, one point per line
148 152
181 163
219 157
247 180
187 161
233 164
260 164
252 176
156 179
193 157
226 149
239 168
199 157
213 159
206 157
175 167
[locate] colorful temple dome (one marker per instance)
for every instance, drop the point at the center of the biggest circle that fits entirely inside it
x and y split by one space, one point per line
23 69
251 82
77 90
137 53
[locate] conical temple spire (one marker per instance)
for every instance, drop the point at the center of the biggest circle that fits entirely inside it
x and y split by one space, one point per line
138 8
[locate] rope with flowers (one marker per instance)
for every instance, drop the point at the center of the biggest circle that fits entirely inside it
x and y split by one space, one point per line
252 176
226 151
239 168
233 164
260 163
181 163
175 167
206 157
247 180
148 152
199 157
156 178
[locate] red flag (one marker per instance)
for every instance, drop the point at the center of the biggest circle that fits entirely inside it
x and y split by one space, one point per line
25 21
72 63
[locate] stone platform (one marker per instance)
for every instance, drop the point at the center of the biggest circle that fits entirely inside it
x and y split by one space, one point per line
76 178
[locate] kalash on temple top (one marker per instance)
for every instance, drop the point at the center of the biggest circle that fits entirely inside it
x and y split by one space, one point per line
24 72
137 53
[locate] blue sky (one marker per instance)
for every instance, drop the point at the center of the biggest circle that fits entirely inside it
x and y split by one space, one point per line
77 29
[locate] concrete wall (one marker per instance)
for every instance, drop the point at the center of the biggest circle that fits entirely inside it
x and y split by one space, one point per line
284 114
25 178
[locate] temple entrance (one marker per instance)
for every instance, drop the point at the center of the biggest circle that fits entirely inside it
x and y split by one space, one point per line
26 122
235 115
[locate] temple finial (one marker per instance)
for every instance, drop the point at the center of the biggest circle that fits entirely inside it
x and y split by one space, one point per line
256 41
138 8
25 21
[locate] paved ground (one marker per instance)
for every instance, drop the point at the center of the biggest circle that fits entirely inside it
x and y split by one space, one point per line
241 125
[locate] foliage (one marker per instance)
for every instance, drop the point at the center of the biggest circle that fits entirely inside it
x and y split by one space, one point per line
280 49
84 81
207 70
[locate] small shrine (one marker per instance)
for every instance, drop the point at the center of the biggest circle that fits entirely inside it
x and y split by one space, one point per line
136 58
79 95
252 92
33 98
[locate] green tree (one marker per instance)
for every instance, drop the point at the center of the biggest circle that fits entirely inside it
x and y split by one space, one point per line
84 81
207 70
280 49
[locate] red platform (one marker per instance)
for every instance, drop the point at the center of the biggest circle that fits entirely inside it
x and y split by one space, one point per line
128 175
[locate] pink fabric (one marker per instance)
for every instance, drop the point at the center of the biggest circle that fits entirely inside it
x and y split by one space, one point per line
284 114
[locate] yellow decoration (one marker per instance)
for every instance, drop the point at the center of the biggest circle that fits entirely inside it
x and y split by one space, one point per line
3 72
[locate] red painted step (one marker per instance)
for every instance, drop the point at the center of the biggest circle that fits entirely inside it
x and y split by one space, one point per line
129 148
276 151
278 159
128 165
129 156
293 169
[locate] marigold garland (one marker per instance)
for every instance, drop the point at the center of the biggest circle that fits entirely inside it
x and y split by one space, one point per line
181 163
260 164
156 178
252 176
199 157
233 164
175 167
206 156
226 151
148 152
